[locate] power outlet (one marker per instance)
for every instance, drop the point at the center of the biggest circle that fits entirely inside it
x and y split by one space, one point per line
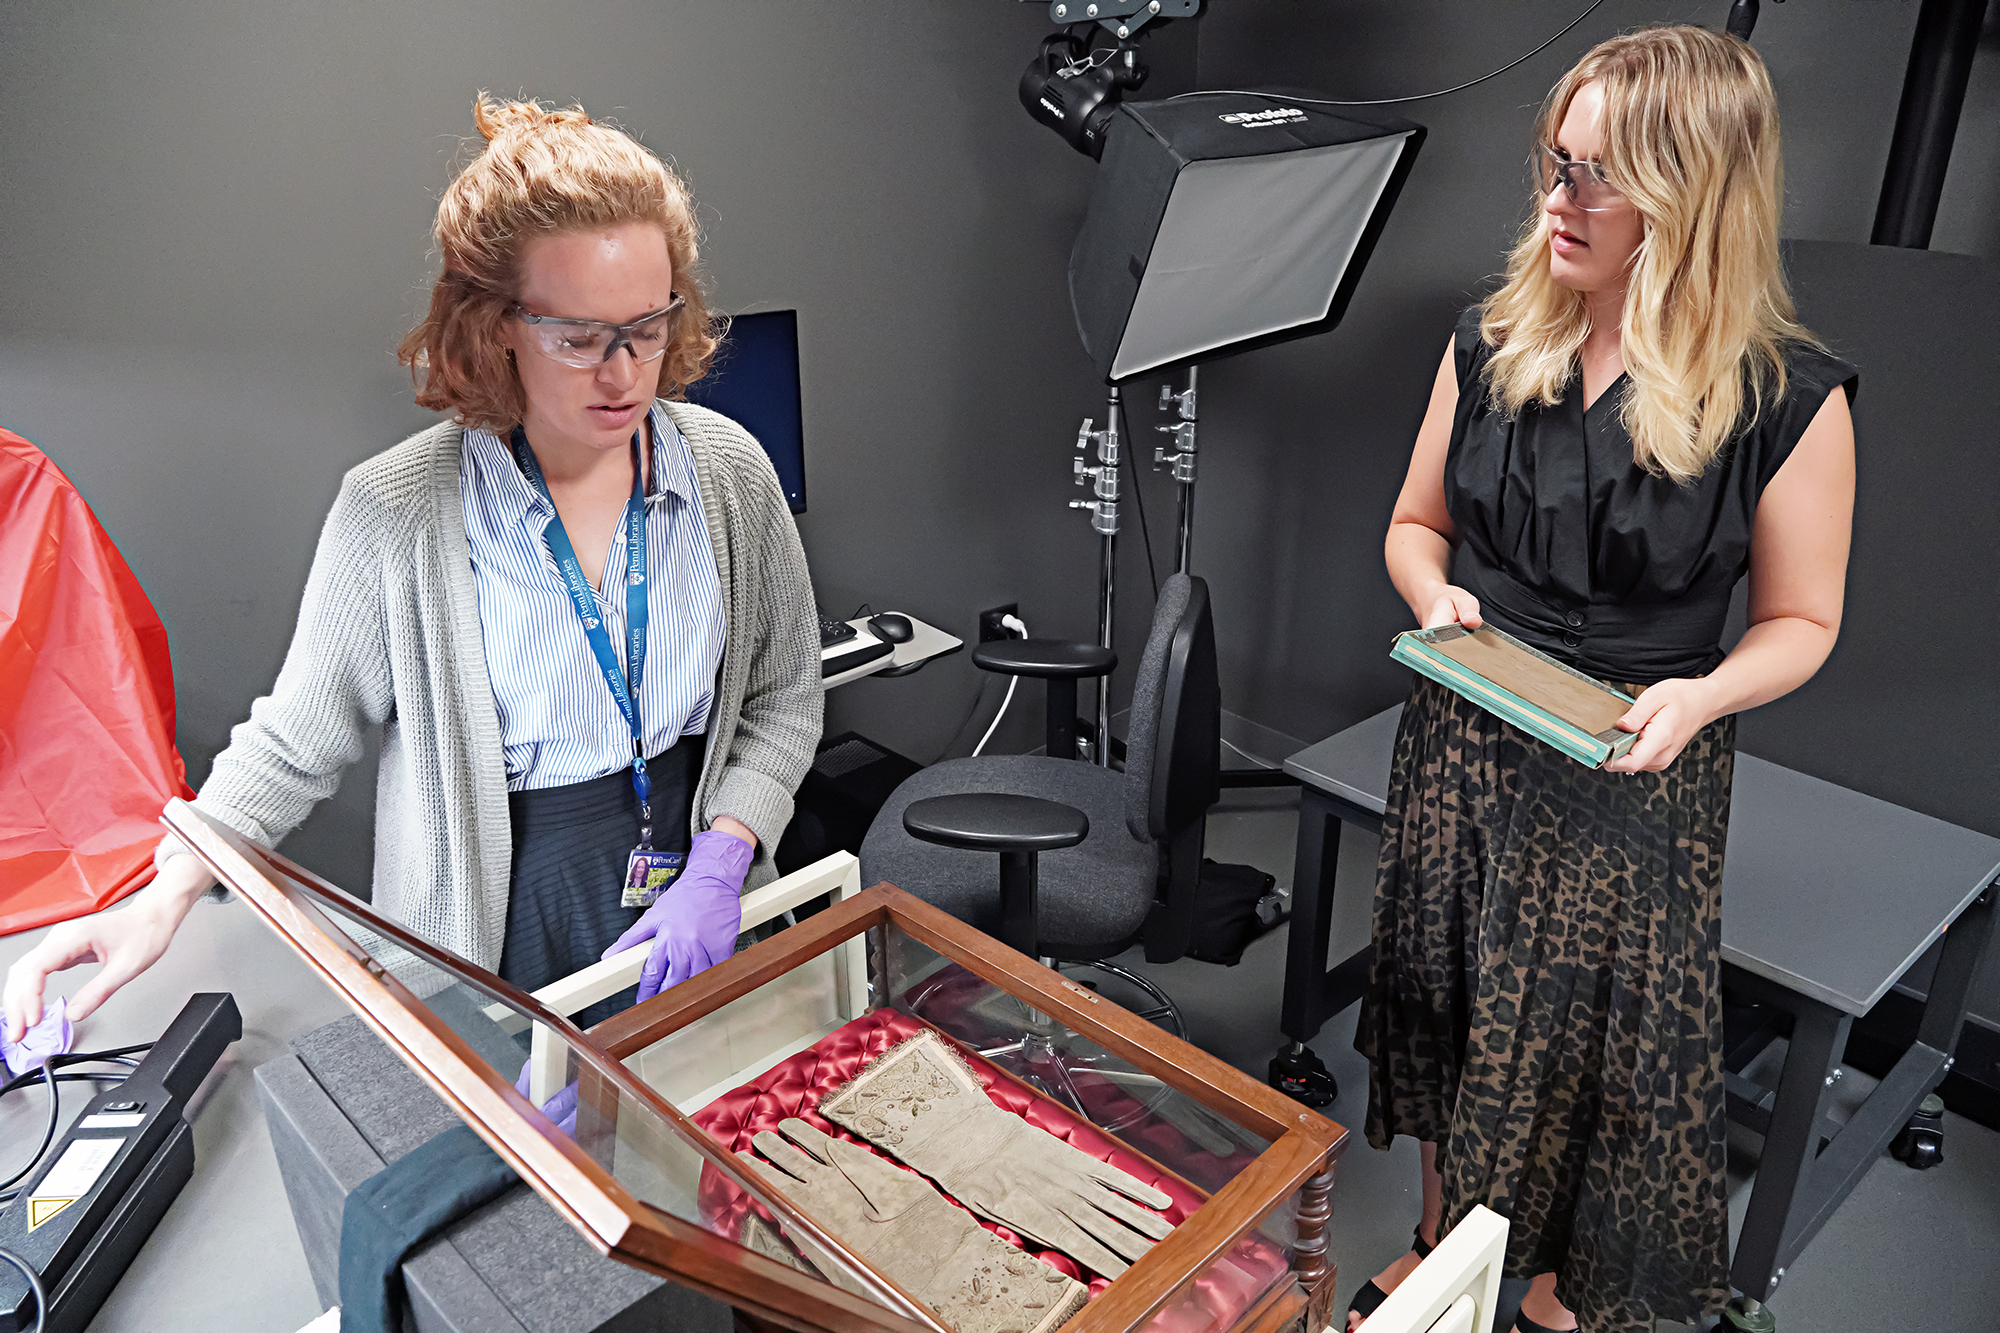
990 627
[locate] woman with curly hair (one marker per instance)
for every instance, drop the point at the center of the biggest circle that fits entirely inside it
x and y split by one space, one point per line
577 610
1630 424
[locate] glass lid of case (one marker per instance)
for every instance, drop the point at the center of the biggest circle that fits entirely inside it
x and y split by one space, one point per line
608 1150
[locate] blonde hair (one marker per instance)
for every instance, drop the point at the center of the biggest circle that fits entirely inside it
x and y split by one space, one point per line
1691 140
541 173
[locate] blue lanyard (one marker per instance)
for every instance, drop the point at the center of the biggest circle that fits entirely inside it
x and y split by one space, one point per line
584 603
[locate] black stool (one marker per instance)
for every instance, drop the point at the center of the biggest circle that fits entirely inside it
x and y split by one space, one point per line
1018 828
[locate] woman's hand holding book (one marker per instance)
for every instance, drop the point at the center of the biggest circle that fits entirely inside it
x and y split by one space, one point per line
1666 716
1453 606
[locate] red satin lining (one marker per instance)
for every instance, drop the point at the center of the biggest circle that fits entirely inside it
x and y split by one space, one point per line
795 1087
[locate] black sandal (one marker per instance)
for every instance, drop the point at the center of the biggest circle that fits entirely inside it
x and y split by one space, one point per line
1369 1299
1523 1324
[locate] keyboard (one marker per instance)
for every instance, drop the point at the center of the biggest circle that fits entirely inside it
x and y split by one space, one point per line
845 657
833 631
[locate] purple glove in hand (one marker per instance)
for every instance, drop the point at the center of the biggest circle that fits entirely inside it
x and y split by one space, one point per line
694 924
560 1108
50 1037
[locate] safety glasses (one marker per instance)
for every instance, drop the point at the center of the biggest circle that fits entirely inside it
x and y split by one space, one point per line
585 343
1588 188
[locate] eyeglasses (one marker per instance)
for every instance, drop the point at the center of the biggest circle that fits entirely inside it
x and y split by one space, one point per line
585 343
1588 188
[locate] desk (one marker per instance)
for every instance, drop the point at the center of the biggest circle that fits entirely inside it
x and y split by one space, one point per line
1829 897
226 1255
926 642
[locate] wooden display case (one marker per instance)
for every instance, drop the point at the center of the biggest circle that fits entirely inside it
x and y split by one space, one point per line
645 1172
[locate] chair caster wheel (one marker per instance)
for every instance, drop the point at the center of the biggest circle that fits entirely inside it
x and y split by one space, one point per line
1303 1076
1921 1143
1745 1316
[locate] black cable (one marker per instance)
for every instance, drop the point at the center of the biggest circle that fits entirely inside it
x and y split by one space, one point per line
48 1135
978 697
82 1057
1392 101
26 1080
1138 496
118 1055
34 1285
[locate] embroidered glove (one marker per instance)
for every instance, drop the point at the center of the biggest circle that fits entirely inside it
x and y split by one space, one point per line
922 1104
694 924
974 1281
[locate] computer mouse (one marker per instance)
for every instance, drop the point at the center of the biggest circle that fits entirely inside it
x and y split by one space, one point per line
891 627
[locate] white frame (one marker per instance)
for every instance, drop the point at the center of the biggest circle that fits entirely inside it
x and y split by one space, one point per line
1456 1288
838 874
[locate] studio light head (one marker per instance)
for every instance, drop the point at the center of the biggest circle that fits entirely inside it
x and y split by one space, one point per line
1073 86
1074 91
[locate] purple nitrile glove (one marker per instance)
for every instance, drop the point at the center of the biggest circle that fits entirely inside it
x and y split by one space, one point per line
560 1108
52 1036
694 924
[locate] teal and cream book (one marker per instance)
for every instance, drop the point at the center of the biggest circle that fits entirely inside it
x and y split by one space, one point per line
1577 714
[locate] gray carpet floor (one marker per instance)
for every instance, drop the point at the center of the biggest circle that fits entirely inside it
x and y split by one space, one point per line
1909 1249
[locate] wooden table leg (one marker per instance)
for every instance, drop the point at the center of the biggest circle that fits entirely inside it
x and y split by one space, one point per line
1315 1271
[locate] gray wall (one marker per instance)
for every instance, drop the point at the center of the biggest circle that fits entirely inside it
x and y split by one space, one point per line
214 227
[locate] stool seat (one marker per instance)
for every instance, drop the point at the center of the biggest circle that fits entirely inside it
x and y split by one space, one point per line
995 822
1055 659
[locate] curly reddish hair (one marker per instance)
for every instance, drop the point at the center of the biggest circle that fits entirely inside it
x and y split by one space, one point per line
541 173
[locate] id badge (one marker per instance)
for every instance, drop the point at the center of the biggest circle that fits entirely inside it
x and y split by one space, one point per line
648 874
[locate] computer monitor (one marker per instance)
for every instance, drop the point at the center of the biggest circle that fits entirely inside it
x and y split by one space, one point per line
754 381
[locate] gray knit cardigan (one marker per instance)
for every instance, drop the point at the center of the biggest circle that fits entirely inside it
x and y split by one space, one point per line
389 636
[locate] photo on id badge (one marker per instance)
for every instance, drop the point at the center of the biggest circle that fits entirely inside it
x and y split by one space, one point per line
647 875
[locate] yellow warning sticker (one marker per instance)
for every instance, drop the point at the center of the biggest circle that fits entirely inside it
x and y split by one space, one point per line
71 1178
41 1209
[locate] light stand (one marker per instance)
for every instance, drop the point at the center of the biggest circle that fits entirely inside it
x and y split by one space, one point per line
1182 461
1103 521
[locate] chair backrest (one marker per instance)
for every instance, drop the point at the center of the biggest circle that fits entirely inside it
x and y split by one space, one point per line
1173 756
1173 741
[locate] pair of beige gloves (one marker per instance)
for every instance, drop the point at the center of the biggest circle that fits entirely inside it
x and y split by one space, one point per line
920 1103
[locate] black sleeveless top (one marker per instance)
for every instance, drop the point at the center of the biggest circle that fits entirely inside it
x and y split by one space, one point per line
1571 546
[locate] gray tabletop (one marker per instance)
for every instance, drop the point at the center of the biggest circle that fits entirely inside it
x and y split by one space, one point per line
1825 891
226 1256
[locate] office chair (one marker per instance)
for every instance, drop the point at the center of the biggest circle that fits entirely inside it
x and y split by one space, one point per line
1090 861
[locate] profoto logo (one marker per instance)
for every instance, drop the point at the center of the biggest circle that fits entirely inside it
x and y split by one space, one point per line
1250 120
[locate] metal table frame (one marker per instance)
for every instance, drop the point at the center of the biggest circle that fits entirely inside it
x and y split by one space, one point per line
1810 1164
1313 993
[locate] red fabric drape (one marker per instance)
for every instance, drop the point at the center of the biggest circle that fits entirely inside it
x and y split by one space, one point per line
87 752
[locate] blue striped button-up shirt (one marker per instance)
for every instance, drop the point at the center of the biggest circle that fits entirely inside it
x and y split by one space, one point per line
558 721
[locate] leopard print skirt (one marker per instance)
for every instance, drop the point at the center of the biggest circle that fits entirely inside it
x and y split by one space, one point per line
1545 1004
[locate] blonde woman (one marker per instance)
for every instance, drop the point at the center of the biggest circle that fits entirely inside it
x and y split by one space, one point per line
1630 424
577 610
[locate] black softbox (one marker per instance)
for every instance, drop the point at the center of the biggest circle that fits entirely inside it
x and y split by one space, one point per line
1229 221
